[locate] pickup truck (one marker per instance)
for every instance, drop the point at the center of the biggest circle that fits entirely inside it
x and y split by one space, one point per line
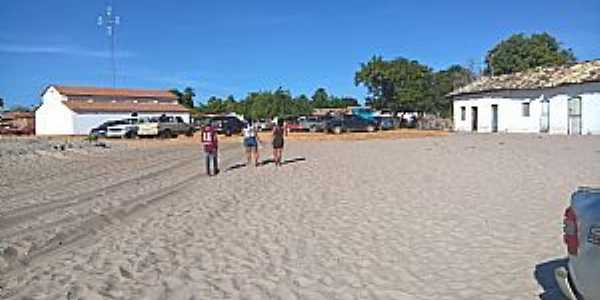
126 128
349 123
581 278
164 127
312 124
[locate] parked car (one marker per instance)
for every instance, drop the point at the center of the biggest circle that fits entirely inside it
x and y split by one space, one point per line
227 125
101 130
386 123
312 123
164 127
349 123
126 128
581 278
264 125
16 130
293 125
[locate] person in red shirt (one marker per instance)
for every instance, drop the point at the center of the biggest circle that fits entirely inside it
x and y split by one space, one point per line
210 142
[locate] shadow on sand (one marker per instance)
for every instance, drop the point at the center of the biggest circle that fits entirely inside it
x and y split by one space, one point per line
544 274
283 163
266 162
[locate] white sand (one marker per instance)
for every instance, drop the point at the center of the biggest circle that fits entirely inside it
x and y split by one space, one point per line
461 217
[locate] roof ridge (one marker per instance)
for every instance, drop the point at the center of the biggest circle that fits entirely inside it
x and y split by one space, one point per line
534 78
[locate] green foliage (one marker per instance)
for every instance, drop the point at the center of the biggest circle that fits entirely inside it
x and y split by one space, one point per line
406 85
20 108
270 104
185 98
446 81
399 84
521 52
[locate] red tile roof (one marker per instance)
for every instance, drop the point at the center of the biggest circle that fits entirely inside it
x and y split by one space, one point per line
110 92
17 115
538 78
85 106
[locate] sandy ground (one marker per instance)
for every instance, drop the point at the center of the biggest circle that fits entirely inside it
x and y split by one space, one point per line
456 217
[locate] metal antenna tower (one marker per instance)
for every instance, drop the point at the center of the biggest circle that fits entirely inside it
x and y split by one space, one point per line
110 22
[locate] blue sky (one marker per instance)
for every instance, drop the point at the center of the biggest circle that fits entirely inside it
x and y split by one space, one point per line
234 47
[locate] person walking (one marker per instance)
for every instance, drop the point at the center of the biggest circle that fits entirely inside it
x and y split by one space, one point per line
251 141
278 133
210 142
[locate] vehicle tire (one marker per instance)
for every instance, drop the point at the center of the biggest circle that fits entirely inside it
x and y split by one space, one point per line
189 133
228 132
337 130
313 128
165 134
370 128
130 135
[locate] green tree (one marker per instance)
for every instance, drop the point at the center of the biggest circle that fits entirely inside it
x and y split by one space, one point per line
521 52
320 98
20 108
446 81
398 84
185 98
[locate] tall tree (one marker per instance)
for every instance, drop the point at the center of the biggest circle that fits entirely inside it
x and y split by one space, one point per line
446 81
320 98
185 98
521 52
398 84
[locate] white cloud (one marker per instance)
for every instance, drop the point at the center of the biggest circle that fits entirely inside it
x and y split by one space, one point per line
61 50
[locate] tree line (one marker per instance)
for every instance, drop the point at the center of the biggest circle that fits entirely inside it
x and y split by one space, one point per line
399 84
266 104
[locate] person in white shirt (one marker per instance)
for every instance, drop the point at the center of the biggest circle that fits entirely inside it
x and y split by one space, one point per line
251 141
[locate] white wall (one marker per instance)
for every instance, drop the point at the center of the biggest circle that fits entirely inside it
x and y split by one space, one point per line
510 118
590 113
559 114
53 118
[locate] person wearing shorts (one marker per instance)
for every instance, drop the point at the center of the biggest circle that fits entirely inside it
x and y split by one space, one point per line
278 142
251 143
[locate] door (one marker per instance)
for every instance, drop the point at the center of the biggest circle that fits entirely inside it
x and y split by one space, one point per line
575 115
494 117
474 119
545 116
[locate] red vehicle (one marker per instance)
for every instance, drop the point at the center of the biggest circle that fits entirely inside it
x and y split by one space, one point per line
9 129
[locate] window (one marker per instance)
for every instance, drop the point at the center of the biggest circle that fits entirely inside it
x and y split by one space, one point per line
463 113
525 109
179 120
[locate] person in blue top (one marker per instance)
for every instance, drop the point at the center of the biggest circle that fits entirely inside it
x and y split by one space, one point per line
251 141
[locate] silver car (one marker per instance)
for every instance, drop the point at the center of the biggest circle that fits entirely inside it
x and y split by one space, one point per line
581 278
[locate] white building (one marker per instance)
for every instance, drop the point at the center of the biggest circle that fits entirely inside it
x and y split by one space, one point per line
556 100
76 110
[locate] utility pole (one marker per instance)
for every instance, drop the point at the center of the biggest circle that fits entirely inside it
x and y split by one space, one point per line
110 22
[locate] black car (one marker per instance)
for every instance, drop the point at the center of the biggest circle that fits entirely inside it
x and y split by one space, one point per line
227 125
100 131
350 123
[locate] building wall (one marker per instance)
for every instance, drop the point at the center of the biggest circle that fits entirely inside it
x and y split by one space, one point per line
590 117
53 118
85 122
510 118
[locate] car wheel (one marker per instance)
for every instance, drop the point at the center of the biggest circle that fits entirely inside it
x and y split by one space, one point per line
228 132
313 129
337 130
370 128
165 134
189 133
